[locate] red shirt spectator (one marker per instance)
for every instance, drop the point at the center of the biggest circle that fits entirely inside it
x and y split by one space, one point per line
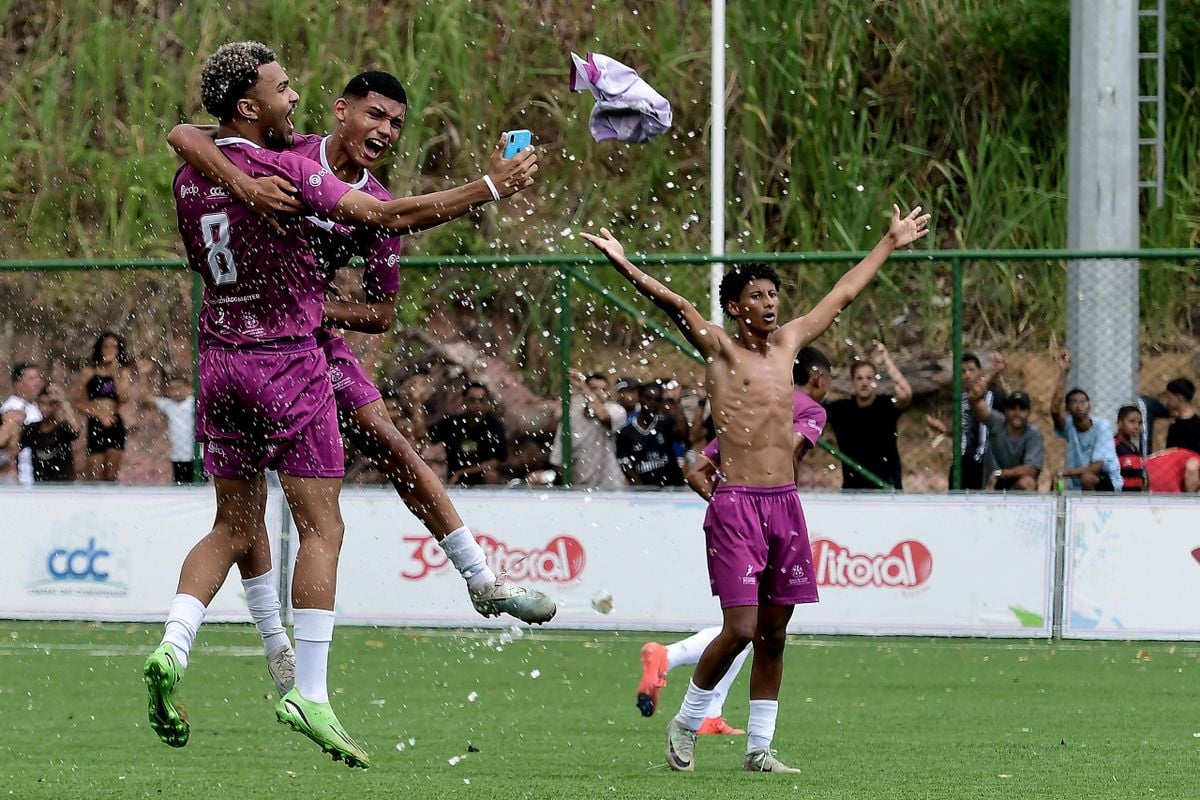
1173 471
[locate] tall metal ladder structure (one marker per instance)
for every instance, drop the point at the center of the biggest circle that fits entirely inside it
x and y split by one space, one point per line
1157 12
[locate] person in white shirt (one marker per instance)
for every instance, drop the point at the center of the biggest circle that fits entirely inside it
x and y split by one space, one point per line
27 383
595 421
179 407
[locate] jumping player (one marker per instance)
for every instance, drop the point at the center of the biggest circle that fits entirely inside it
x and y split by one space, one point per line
265 396
369 118
811 374
760 562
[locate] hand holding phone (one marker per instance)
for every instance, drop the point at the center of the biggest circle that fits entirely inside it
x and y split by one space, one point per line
516 142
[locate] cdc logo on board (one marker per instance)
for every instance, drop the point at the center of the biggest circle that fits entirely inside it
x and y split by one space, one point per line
80 569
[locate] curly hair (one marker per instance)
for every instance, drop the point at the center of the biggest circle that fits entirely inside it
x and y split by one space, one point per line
229 73
735 281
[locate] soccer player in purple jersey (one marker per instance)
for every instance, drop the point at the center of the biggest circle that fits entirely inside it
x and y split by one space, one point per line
759 558
811 375
369 117
265 396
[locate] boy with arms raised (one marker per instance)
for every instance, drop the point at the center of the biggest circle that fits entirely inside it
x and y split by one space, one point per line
759 559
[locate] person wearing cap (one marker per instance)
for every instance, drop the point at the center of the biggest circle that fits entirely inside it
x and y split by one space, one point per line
1016 449
626 393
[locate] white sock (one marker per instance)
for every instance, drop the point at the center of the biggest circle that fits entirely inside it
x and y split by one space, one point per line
695 705
184 618
689 650
761 729
467 557
314 632
262 598
716 708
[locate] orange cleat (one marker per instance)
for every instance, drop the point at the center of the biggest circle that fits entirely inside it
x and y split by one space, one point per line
717 726
654 677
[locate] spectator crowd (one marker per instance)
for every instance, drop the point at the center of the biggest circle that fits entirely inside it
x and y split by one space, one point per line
642 434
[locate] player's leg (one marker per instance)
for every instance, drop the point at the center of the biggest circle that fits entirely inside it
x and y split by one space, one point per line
234 534
371 430
736 632
766 675
714 723
659 659
305 708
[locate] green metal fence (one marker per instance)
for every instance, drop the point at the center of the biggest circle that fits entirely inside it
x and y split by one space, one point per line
572 270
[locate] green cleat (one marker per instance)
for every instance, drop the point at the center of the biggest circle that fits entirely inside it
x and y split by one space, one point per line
318 722
162 673
502 597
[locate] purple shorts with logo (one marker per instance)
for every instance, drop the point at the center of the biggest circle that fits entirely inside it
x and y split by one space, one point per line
352 389
268 410
758 550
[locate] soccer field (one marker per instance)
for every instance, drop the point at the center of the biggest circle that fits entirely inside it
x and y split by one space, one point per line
551 715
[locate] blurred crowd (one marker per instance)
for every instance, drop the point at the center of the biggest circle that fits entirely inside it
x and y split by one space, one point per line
631 433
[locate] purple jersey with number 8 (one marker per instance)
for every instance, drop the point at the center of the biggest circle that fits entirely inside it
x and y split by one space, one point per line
262 288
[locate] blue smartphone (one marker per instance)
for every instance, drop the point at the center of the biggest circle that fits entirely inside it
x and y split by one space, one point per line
517 141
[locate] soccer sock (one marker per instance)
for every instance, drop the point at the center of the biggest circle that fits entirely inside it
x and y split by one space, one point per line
695 706
262 598
184 618
761 729
467 557
689 650
314 632
717 707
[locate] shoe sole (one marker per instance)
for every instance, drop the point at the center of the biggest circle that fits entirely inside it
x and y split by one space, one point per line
493 610
168 720
651 685
346 757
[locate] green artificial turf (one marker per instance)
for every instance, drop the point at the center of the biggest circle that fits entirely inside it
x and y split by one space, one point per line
552 715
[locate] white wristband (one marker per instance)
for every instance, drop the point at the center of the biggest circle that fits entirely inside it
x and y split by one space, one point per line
491 186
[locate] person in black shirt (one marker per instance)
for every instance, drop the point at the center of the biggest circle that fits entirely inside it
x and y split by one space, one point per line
865 424
50 439
475 441
1185 429
646 446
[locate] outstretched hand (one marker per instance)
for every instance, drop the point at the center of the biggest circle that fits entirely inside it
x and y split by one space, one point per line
606 243
907 229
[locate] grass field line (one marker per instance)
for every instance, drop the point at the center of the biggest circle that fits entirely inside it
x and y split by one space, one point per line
513 635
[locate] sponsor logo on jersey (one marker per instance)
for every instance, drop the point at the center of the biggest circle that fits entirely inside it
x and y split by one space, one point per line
317 178
189 190
907 565
217 191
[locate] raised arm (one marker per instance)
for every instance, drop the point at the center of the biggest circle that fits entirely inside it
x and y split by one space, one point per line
1059 398
901 389
708 338
977 397
412 214
196 144
902 232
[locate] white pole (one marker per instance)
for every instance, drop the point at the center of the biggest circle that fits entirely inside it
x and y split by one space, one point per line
717 169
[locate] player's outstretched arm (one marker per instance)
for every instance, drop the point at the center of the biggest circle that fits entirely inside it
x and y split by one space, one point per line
412 214
196 144
902 232
707 337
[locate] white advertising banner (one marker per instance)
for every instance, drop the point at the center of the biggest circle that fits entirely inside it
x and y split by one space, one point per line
94 553
885 564
1133 568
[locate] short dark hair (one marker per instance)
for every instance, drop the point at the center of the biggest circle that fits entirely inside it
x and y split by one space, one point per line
1182 387
1125 411
475 385
19 368
808 361
735 280
597 376
646 388
1074 392
859 364
974 359
122 358
384 83
229 73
